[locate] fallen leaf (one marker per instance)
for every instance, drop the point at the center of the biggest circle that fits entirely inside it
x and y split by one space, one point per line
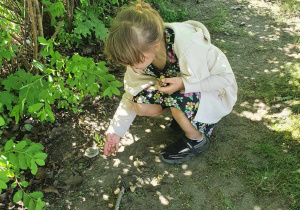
51 189
73 181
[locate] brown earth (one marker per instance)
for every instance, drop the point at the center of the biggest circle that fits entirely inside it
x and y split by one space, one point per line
212 180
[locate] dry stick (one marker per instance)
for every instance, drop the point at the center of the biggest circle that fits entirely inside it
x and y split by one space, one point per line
33 27
68 13
12 35
117 206
13 21
71 13
57 30
39 17
70 9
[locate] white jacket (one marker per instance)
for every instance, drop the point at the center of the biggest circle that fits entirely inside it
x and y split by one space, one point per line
203 68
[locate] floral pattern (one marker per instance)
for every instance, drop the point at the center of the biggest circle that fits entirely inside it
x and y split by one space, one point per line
188 103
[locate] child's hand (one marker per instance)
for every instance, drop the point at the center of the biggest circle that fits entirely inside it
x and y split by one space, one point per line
173 84
111 146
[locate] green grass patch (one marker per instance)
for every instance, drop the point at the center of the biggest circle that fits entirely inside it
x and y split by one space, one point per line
279 170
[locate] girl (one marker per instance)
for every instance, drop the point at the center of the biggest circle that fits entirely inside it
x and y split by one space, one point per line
198 84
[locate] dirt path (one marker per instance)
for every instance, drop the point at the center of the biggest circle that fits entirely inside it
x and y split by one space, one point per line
257 43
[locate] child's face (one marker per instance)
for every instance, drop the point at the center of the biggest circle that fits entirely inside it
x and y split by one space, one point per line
149 57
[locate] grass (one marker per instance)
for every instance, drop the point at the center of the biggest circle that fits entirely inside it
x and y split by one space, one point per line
276 85
279 173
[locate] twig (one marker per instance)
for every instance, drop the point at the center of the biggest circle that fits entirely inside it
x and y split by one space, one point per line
117 206
57 30
70 9
33 25
39 17
12 35
13 21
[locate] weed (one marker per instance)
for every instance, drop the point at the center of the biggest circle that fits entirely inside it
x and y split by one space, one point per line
99 140
219 21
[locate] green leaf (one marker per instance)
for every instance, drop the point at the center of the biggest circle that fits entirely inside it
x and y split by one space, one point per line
3 185
109 77
9 144
2 121
115 91
41 156
33 167
18 196
107 92
43 41
20 145
39 205
22 161
44 53
28 159
49 112
22 107
4 176
26 200
82 29
42 115
37 194
24 184
35 107
101 31
33 148
7 99
28 127
50 79
13 159
40 162
39 66
116 84
15 113
14 185
31 205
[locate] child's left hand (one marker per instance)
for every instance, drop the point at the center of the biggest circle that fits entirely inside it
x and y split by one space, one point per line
174 84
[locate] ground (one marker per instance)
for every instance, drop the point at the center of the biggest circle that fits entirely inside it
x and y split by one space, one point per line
257 44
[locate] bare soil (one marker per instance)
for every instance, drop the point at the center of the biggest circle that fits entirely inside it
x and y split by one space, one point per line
211 180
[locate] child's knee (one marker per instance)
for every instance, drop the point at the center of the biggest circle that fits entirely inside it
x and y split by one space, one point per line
149 110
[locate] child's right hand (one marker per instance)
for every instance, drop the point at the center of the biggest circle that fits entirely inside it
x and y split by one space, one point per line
111 146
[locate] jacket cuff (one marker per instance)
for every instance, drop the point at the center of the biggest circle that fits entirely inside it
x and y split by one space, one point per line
116 130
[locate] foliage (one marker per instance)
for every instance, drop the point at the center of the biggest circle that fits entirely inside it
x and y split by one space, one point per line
64 82
87 23
6 47
91 21
52 80
15 159
169 14
56 9
292 6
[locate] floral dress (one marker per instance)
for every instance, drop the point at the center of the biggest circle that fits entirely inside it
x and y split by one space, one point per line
187 102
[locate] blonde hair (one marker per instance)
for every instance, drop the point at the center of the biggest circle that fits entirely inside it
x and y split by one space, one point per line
135 31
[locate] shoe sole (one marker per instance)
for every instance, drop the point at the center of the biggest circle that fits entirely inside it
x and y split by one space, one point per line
182 160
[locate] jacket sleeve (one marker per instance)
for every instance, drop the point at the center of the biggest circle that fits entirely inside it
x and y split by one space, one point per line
221 75
123 116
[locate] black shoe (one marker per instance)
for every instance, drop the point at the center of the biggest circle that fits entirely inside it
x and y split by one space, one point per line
183 149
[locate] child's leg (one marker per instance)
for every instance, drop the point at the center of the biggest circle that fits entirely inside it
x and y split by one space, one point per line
190 131
150 110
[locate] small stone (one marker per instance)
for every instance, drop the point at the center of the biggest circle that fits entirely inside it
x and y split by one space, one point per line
239 7
73 181
15 127
41 173
132 188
